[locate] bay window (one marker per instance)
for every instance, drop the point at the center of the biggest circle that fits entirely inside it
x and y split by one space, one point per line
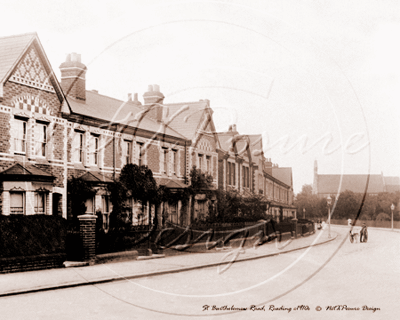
40 202
17 202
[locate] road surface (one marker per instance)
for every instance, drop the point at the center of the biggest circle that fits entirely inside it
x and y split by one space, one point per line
338 276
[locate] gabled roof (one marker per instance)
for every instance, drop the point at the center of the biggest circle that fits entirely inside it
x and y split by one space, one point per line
113 110
329 183
12 49
25 172
96 177
170 183
283 174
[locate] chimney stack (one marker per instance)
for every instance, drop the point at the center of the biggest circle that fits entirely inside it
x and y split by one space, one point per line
268 166
73 77
153 98
135 100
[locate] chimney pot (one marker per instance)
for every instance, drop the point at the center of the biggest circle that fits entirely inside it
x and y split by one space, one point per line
150 88
156 88
129 96
68 58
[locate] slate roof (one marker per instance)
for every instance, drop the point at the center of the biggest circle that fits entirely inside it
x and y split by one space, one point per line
27 171
329 183
93 176
187 122
283 174
11 50
170 183
114 110
392 184
225 140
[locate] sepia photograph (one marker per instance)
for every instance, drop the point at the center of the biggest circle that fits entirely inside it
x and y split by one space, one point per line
199 159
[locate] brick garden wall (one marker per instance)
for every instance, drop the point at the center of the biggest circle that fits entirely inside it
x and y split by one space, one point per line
43 261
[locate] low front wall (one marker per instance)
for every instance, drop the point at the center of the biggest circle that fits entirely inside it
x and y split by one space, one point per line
43 261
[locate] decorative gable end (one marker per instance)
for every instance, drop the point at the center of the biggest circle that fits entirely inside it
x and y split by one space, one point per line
31 72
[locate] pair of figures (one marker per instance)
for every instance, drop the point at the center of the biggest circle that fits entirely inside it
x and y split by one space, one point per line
363 233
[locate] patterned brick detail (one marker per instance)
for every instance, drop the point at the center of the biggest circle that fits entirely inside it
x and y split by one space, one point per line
14 91
153 158
5 136
58 141
31 72
206 143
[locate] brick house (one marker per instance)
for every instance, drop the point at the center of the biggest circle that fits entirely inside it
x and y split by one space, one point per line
52 131
243 167
32 147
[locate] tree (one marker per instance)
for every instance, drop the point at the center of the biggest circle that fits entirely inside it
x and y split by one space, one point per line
309 201
78 192
136 182
382 217
200 180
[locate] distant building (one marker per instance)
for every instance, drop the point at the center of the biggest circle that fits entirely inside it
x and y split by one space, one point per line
373 184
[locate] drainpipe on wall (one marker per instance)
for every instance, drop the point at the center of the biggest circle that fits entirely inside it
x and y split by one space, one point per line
114 156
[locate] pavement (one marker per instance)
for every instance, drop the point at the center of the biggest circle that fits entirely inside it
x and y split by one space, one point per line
61 278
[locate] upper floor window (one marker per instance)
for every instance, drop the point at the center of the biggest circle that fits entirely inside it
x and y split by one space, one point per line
175 161
140 153
246 177
200 161
165 164
20 136
231 174
78 146
208 164
17 202
127 151
94 150
40 139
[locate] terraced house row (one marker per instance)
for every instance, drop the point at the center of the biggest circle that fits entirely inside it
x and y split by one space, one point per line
52 130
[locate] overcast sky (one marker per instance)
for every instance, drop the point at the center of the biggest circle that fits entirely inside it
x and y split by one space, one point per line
318 79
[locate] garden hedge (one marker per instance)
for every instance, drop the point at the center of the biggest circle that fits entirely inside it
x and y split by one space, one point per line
22 236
